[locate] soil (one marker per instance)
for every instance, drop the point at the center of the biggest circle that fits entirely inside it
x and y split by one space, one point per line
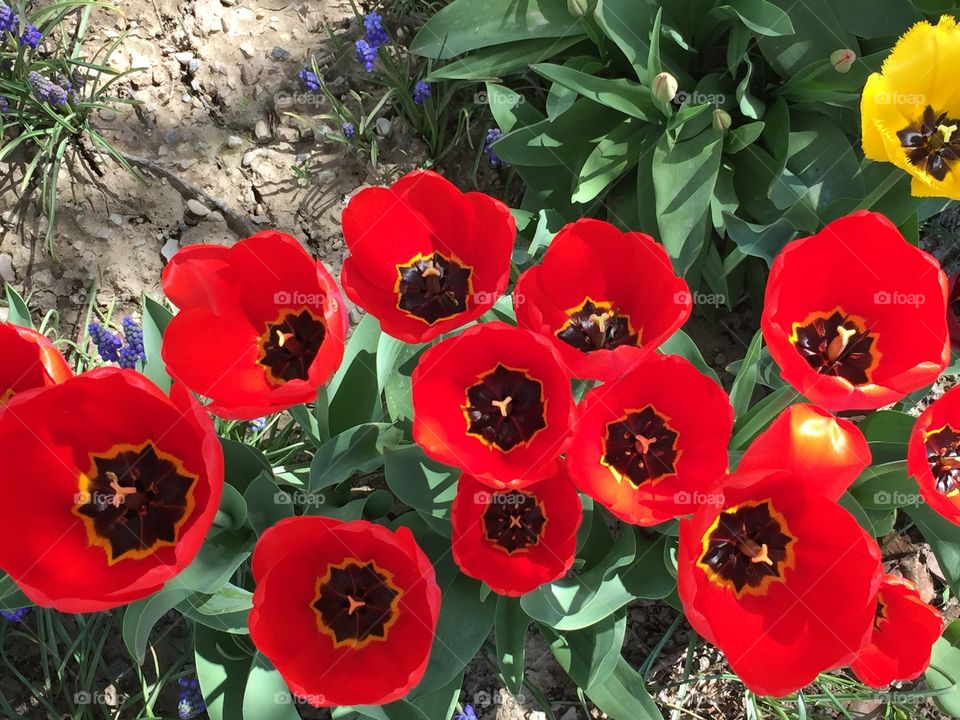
223 157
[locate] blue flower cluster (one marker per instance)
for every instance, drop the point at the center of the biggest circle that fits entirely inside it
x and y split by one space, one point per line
421 91
369 47
10 23
46 90
309 80
494 134
467 714
258 424
191 703
4 105
349 130
111 348
15 615
133 350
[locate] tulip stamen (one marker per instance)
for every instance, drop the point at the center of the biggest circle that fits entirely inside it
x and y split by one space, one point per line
354 604
596 325
502 405
942 447
640 446
434 287
839 343
513 521
119 491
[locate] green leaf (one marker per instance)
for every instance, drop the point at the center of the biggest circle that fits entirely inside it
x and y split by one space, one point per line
684 176
944 539
18 312
740 137
232 513
438 702
243 463
420 482
227 610
746 380
509 108
155 320
266 696
760 415
140 617
218 559
762 17
613 156
943 675
466 25
500 61
681 344
628 97
762 241
223 666
885 18
359 449
464 624
266 503
629 24
353 391
511 636
589 655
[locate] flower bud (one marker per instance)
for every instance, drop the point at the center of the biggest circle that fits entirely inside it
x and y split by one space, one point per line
722 120
578 8
665 87
842 60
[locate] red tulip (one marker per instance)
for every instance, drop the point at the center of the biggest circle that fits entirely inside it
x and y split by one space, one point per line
779 577
261 324
855 316
825 452
933 455
604 298
345 611
516 540
495 402
112 487
650 445
28 361
425 258
904 631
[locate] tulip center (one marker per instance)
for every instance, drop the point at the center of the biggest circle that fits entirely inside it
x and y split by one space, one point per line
943 456
932 143
747 548
505 408
881 614
593 325
513 521
356 603
836 343
640 446
433 287
134 500
289 345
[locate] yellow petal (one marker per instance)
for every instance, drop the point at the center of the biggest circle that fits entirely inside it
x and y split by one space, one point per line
949 188
924 62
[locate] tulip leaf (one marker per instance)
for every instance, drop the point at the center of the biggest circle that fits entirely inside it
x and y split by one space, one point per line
464 624
216 562
943 675
353 392
944 539
762 17
11 596
762 241
511 637
589 655
420 482
684 178
359 449
626 96
223 666
500 61
266 696
746 428
629 23
141 616
466 25
746 380
681 344
17 311
243 463
227 610
438 702
155 320
267 504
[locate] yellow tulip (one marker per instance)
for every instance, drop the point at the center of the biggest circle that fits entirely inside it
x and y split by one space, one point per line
911 109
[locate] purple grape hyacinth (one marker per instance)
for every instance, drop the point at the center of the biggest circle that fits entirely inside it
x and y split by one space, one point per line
133 351
494 134
31 36
376 34
4 105
108 345
349 130
8 20
190 704
367 54
309 80
15 615
421 92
